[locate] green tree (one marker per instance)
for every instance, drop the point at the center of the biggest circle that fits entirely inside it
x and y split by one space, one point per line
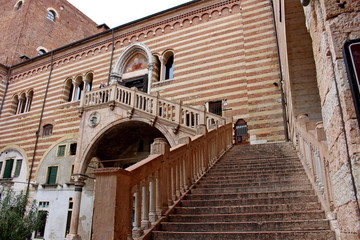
18 217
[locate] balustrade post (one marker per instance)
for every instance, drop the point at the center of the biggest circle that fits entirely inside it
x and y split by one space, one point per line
160 146
145 223
113 90
187 163
152 203
133 97
137 231
178 112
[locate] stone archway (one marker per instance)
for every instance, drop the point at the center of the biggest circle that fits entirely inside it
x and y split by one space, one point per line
134 67
123 144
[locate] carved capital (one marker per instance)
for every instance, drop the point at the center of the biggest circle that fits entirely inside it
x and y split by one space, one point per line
79 179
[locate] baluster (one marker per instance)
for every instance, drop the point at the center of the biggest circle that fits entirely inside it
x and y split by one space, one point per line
173 183
177 179
153 198
145 223
137 231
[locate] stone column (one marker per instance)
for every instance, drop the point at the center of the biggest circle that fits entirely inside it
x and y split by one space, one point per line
79 183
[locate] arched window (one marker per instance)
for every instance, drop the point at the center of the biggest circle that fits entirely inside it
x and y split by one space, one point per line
47 130
15 104
168 65
22 104
18 5
156 69
69 89
79 87
41 52
88 81
29 99
51 15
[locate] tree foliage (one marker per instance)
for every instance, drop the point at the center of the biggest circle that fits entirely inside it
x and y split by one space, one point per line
18 217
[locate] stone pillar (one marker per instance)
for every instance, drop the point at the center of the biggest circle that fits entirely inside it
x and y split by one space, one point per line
115 78
79 183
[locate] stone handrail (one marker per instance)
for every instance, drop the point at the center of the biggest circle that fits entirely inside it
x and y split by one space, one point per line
173 111
313 152
129 202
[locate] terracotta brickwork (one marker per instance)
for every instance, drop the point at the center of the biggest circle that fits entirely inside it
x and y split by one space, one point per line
25 27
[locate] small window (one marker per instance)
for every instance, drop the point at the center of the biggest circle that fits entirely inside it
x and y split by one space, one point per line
41 52
61 151
47 130
51 15
52 174
18 5
42 214
8 168
43 204
68 220
73 149
216 107
18 167
169 68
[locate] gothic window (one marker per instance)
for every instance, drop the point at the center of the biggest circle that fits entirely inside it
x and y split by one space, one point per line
156 69
22 104
51 15
88 81
69 89
47 130
29 99
15 104
78 88
168 65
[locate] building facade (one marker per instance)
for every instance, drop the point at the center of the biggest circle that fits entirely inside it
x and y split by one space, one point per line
277 67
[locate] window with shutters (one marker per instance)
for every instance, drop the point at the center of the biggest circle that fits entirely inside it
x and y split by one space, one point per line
18 167
61 151
8 168
52 175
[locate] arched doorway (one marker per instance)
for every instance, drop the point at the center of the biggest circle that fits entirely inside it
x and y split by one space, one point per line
123 145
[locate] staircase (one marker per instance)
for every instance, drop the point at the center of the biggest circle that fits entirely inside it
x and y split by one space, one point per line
253 192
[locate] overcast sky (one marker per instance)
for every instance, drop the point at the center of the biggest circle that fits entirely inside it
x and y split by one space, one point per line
118 12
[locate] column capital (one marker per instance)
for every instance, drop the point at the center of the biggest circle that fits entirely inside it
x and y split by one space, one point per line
79 179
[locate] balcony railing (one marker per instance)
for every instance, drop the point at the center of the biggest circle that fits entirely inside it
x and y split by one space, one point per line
173 111
313 152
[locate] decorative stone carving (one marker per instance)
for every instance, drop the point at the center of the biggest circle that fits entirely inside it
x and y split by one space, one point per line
94 119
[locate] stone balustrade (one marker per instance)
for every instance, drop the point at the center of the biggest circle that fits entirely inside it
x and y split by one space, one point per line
131 201
313 151
173 111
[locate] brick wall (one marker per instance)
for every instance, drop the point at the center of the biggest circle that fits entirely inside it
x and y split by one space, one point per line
28 28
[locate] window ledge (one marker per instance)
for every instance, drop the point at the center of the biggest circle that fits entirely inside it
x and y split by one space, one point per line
70 183
6 180
50 185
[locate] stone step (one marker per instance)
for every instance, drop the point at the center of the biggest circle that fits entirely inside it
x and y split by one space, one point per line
251 189
251 201
270 194
248 208
271 235
258 169
249 217
295 225
213 184
257 173
231 179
